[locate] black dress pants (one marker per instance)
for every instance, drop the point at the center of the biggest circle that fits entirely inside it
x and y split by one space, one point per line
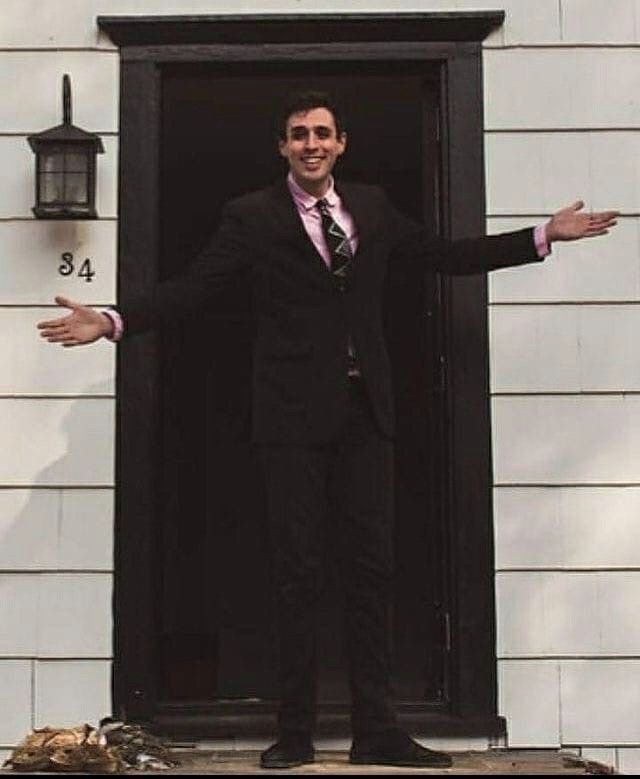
349 483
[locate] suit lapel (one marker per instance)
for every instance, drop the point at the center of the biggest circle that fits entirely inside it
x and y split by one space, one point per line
289 224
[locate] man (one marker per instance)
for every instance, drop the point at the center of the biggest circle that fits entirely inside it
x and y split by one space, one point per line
317 251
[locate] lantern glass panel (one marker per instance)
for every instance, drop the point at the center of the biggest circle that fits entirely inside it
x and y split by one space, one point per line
51 187
75 188
76 163
51 162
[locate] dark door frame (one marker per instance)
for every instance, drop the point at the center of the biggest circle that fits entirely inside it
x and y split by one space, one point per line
451 41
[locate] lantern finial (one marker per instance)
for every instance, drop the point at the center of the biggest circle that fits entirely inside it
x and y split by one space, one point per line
66 98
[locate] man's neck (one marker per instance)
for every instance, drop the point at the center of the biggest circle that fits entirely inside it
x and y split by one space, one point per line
316 189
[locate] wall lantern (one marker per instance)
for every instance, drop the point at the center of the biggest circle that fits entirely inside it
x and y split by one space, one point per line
65 167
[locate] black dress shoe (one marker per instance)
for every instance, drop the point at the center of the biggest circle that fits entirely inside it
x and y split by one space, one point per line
289 751
394 747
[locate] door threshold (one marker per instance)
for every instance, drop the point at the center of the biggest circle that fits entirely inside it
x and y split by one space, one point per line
189 723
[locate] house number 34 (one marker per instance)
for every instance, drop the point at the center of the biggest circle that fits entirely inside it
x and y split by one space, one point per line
68 267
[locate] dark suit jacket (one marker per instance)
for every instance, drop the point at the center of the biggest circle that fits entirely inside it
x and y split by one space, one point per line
303 320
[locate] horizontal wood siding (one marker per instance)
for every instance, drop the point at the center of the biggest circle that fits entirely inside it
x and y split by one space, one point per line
563 124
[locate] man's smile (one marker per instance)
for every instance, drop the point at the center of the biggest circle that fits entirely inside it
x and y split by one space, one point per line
312 161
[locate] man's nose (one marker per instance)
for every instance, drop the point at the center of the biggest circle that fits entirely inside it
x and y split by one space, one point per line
311 141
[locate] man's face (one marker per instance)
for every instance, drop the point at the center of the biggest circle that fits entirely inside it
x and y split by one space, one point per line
312 146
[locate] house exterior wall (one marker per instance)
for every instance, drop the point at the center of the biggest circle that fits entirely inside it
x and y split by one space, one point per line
562 122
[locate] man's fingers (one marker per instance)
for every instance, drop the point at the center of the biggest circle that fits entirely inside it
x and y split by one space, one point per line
601 222
53 328
53 324
577 205
67 302
49 334
599 225
61 338
604 216
60 322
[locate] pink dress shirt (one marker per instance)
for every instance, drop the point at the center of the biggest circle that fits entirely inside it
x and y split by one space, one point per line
312 220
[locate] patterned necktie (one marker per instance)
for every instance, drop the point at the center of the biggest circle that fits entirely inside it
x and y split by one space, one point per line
338 245
341 257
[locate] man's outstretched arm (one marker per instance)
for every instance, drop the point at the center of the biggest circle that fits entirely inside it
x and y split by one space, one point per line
478 255
498 251
226 255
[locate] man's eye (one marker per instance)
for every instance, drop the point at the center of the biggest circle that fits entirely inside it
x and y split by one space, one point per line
298 135
323 133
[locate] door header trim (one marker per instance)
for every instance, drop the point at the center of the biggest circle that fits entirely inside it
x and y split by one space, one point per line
430 26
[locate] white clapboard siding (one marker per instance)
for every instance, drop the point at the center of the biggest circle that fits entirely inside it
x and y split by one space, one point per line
45 529
32 257
600 701
565 348
579 439
72 22
525 22
16 686
566 527
605 268
592 21
42 368
557 168
18 614
55 614
71 692
58 23
547 613
56 442
529 697
562 88
36 77
17 162
628 760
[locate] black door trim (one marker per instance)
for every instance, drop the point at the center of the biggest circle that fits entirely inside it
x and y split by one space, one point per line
453 41
427 26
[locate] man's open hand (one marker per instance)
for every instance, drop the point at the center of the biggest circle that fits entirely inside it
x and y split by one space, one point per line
568 225
82 326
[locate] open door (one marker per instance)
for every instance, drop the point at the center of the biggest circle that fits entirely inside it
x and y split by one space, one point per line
191 606
214 614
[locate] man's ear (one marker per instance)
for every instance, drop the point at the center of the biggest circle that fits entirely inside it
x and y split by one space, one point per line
281 145
343 140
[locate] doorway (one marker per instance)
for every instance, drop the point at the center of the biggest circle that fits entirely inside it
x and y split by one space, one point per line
418 45
214 613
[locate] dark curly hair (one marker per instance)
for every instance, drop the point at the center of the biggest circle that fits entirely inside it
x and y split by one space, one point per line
300 102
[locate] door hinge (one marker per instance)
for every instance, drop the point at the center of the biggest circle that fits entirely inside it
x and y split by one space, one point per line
447 631
442 365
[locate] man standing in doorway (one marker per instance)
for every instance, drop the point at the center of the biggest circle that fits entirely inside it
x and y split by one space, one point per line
317 251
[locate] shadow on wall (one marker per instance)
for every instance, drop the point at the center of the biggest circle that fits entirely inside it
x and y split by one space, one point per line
56 551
